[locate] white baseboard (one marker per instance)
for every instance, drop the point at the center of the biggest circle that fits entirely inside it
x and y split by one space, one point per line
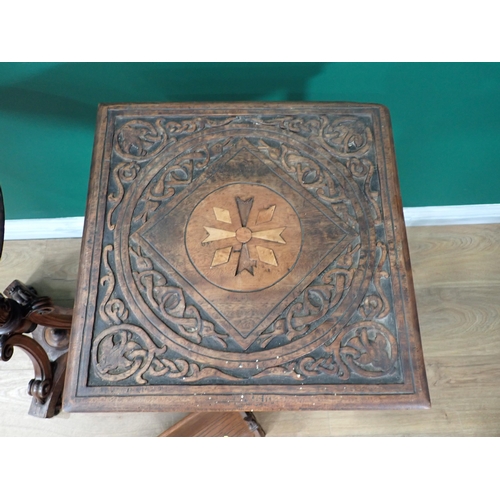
72 227
44 229
452 214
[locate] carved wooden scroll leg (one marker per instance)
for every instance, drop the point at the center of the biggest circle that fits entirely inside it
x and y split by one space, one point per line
55 342
40 386
21 311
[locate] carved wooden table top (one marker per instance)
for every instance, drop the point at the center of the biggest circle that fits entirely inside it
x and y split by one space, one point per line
240 257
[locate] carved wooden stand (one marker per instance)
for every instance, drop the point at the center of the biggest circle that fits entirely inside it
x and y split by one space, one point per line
22 311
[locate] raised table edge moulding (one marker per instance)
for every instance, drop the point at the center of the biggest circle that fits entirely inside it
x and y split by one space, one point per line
244 256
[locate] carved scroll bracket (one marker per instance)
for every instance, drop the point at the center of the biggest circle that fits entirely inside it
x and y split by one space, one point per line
23 311
40 386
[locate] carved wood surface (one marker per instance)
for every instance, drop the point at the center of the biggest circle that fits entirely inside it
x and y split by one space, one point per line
457 282
243 257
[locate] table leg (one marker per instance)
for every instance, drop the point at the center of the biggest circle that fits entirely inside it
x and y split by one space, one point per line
216 424
22 311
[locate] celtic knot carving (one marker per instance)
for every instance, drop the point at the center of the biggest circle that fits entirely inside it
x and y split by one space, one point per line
376 305
304 125
110 310
176 175
350 171
348 136
328 365
312 177
365 348
364 171
123 351
192 125
369 350
169 302
316 301
140 139
122 174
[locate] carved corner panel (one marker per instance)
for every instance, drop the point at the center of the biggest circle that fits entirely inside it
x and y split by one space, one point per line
244 257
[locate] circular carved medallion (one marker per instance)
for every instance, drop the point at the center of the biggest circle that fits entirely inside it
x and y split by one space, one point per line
139 139
243 237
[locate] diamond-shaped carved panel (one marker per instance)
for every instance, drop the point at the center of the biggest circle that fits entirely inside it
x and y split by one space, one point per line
278 240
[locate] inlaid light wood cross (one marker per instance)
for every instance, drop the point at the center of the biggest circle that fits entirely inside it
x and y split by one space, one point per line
244 235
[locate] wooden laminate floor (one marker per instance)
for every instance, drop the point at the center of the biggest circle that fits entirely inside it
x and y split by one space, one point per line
457 280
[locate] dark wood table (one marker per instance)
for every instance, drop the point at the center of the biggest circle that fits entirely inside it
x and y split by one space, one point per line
244 256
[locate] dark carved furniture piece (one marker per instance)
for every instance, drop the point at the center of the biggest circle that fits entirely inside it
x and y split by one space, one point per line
244 256
22 311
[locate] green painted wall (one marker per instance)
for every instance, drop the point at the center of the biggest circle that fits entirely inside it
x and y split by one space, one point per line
446 120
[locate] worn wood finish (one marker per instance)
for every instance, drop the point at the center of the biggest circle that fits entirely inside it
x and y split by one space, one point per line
216 424
457 282
244 257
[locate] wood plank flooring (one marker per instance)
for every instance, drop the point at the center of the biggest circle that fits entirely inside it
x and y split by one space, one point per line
457 281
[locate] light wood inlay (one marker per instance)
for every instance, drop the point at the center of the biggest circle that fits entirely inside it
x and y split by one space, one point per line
243 235
266 215
221 256
222 215
270 235
227 254
266 255
215 234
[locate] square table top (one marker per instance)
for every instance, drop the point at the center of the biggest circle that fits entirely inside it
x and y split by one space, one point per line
244 256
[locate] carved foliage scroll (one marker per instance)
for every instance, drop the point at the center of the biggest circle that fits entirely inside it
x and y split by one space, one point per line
366 347
124 351
318 300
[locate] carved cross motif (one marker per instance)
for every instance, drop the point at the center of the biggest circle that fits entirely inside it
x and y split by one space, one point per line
244 235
